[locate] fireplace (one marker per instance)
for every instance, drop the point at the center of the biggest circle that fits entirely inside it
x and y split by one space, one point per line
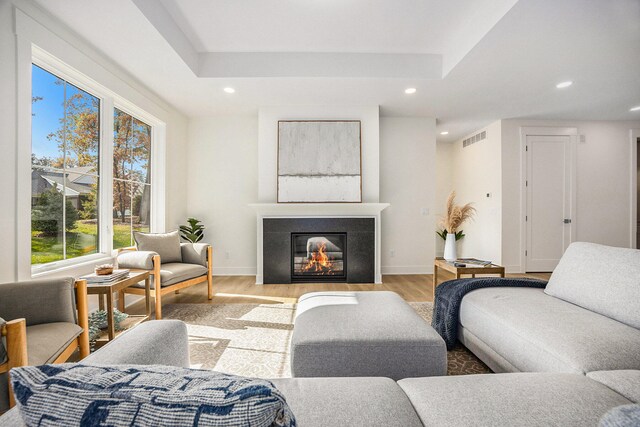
323 249
318 257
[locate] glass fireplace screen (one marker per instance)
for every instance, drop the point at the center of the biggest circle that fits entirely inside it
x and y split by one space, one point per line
319 255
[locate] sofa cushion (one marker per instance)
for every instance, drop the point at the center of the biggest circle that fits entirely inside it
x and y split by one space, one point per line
45 342
155 342
39 301
600 278
353 402
176 272
624 382
77 394
536 332
521 399
167 245
12 418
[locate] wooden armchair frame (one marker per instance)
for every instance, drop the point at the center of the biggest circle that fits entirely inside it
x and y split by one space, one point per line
176 287
15 332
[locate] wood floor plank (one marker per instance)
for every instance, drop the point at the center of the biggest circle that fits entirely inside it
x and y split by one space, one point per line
243 290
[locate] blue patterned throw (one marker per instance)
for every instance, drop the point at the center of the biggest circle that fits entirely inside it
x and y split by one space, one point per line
128 395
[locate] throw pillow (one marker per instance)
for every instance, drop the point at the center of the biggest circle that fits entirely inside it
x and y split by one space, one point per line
167 245
77 394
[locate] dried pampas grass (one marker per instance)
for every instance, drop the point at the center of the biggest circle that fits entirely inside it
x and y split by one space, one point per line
456 215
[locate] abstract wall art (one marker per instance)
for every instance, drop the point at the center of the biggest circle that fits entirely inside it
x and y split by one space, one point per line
319 161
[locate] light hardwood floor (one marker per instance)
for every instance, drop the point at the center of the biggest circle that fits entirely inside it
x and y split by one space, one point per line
243 290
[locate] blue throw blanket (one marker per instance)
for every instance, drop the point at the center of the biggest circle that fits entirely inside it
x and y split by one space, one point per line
446 307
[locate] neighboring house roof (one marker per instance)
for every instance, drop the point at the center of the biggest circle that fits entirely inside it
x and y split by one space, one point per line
43 180
69 191
79 174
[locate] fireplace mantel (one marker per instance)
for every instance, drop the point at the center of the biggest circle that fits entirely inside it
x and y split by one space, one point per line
317 210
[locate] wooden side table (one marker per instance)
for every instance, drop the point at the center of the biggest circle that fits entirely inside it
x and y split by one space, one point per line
440 263
106 291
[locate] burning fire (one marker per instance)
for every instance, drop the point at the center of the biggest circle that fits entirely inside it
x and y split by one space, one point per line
319 262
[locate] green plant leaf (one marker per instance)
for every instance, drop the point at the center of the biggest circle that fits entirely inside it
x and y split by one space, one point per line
193 232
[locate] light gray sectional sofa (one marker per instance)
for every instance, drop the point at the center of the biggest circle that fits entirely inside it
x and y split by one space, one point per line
587 319
521 399
559 330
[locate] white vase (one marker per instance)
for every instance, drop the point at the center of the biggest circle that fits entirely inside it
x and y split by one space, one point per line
450 248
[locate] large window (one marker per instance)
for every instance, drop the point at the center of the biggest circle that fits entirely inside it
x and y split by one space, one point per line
91 181
64 169
131 178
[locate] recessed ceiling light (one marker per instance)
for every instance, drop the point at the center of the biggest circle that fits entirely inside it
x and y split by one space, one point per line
229 89
562 85
636 108
410 90
444 133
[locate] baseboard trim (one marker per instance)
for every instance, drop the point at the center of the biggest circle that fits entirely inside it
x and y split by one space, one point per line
408 269
512 269
234 271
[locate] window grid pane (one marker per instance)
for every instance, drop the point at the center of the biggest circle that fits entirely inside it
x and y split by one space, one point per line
64 174
132 178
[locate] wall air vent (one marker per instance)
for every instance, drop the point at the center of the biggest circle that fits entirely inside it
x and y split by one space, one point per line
475 138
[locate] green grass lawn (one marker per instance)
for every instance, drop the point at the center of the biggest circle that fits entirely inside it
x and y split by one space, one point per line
82 240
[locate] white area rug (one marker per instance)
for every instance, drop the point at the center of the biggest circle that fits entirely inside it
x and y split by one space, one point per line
254 339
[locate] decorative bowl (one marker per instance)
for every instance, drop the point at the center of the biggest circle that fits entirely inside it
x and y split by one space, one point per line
103 270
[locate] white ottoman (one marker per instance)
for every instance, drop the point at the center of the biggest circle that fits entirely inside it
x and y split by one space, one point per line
363 334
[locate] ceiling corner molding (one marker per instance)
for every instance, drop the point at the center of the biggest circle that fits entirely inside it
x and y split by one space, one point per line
158 16
288 64
332 65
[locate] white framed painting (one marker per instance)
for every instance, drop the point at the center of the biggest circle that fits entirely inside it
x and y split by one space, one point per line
319 161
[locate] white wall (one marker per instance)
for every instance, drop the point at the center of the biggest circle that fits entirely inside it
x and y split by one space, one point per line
477 171
225 175
408 182
603 172
268 144
58 40
222 181
444 186
8 263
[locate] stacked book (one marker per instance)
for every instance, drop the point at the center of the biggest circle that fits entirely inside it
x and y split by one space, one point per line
106 279
473 262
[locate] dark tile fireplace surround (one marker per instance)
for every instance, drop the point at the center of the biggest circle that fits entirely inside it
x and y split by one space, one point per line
318 249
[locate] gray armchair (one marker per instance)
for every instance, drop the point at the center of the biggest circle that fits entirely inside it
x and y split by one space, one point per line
195 268
150 343
41 321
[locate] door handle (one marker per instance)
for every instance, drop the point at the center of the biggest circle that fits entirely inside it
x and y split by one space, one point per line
567 221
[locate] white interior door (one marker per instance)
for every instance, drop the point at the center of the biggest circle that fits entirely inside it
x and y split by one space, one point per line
548 218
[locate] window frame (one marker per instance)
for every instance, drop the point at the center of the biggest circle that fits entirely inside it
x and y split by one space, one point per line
108 101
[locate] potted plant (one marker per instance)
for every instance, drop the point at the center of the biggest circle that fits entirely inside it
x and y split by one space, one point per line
452 221
193 232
